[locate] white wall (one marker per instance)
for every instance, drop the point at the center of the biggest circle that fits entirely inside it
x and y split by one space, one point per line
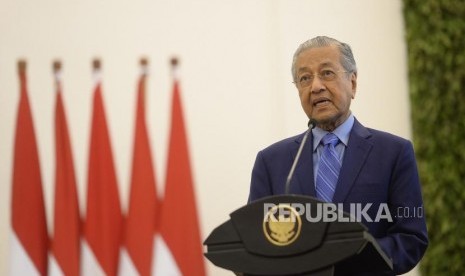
236 83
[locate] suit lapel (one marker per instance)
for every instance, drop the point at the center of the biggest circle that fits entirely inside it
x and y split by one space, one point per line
304 170
355 156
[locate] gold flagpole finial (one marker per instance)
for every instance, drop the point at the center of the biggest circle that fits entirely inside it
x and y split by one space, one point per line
56 66
96 64
174 61
22 66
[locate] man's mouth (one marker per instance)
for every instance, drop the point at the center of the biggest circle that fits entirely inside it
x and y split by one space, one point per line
321 102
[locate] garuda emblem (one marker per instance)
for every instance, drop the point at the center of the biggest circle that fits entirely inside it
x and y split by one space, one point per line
281 225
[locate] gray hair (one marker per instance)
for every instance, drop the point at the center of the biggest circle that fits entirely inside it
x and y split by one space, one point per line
347 58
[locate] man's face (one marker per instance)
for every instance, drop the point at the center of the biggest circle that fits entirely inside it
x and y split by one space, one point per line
325 98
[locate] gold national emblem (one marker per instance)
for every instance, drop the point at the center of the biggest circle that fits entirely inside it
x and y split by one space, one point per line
281 225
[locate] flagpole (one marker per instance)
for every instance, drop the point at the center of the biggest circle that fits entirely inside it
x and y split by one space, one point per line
66 248
28 218
22 64
96 71
57 74
175 68
144 63
179 226
144 71
102 192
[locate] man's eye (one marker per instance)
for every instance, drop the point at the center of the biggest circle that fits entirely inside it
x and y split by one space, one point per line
305 78
327 73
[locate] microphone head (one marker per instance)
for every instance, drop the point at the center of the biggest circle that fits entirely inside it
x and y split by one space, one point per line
311 123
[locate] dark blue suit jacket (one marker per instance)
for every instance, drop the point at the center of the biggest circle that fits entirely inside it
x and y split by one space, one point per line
377 168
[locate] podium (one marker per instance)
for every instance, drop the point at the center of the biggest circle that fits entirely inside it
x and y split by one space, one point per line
294 235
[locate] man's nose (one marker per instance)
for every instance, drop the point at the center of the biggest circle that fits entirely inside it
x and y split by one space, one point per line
317 85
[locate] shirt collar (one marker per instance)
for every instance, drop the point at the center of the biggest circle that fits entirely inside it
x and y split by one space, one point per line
342 132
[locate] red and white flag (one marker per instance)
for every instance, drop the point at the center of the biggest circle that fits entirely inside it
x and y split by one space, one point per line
29 239
103 222
142 219
65 245
180 250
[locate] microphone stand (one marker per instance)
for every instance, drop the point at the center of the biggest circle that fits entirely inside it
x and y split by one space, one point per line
311 125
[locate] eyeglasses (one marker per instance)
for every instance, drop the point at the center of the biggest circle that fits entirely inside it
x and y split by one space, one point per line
325 75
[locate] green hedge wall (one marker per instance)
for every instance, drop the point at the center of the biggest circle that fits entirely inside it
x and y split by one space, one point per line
435 33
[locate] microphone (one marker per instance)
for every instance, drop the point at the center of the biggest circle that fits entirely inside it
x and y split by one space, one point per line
311 125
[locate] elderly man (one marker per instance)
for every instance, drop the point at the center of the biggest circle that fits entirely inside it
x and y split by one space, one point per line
343 161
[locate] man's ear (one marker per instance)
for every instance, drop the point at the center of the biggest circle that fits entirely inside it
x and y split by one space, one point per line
353 80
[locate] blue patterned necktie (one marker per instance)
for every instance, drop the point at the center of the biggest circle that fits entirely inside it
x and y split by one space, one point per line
328 168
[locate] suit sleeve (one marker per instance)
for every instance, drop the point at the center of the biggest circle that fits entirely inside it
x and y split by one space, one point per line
406 240
260 183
